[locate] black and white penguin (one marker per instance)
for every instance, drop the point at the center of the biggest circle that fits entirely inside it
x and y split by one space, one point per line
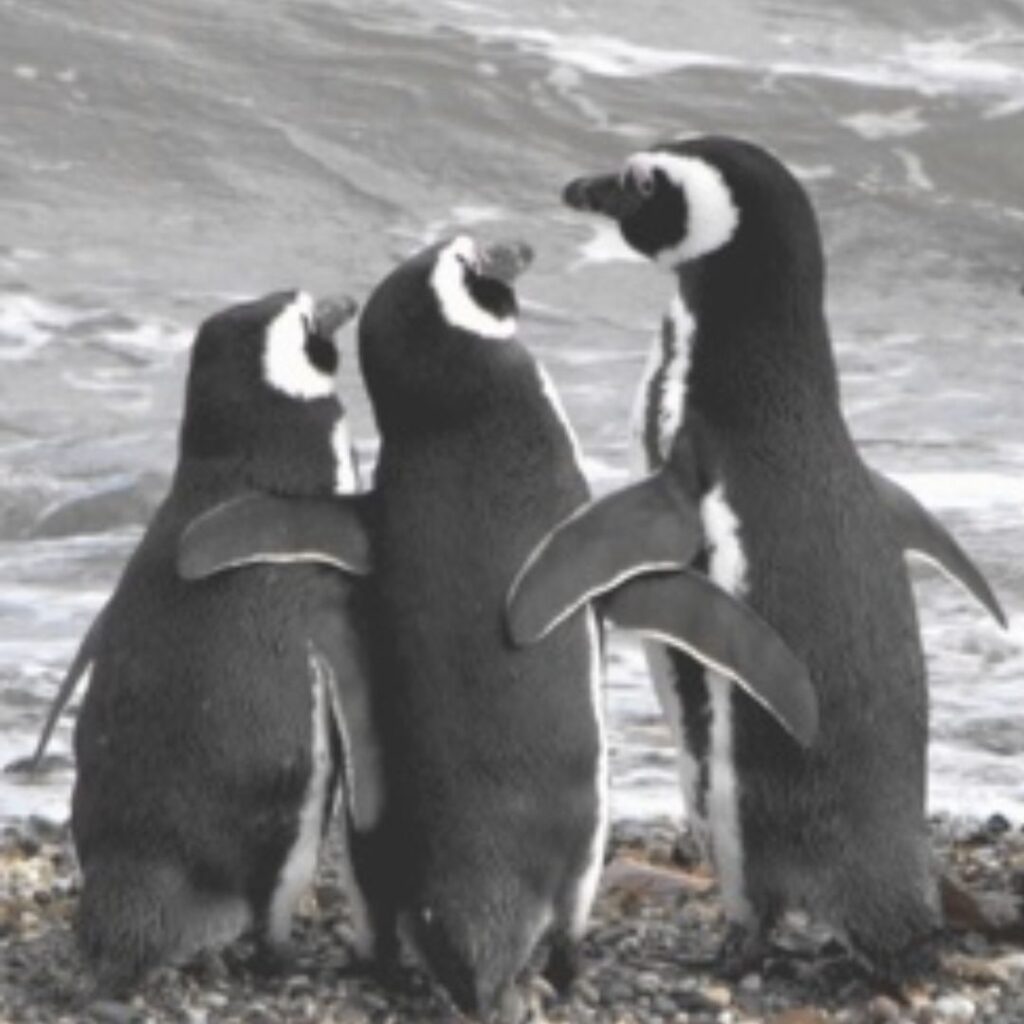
740 407
207 744
495 758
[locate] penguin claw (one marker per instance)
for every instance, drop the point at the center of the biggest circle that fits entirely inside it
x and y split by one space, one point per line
513 1008
743 952
543 989
272 960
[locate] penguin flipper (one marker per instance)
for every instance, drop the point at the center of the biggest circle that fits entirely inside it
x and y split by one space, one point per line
919 532
643 528
262 528
84 657
688 611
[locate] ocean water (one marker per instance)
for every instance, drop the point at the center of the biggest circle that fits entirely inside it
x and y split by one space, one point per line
161 160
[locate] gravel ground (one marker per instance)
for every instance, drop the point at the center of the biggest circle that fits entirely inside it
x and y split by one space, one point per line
647 957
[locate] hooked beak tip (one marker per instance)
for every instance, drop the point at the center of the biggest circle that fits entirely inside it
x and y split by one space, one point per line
333 313
505 261
574 195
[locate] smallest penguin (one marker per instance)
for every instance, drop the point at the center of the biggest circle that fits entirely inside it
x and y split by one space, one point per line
208 742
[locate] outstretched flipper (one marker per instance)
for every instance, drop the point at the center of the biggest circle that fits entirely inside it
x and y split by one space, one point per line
648 527
919 532
261 528
687 611
84 657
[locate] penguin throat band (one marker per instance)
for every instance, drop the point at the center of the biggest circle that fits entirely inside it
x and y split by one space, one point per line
458 301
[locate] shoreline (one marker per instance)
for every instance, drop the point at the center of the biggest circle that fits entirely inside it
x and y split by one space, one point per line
646 959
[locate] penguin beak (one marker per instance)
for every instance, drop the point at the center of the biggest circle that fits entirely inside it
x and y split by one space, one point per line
333 313
604 193
505 261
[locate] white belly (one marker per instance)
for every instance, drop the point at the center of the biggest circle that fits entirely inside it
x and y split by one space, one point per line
726 567
300 865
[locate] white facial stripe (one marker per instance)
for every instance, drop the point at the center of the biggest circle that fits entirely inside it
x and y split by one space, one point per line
458 306
346 476
286 364
712 216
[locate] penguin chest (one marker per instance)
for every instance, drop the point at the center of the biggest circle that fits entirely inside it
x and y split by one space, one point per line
661 399
679 681
299 865
727 566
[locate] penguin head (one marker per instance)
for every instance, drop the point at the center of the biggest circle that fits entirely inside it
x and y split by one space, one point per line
683 202
438 330
261 391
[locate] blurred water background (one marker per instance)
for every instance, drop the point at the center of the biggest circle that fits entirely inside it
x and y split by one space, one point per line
161 160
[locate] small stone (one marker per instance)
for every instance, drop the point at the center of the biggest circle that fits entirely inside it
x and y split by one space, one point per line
647 981
955 1008
882 1010
664 1006
107 1011
980 970
717 996
752 983
997 825
616 991
799 1015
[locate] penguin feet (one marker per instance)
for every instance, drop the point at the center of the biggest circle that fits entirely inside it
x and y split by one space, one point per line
891 971
515 1008
743 951
389 974
562 967
272 959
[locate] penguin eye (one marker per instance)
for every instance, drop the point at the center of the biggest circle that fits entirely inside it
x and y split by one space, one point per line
469 266
645 184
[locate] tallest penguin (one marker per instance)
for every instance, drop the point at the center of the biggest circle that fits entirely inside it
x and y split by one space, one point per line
742 399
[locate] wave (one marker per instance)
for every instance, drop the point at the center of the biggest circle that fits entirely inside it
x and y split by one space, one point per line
931 67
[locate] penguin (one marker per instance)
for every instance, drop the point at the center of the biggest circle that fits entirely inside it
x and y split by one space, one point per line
741 407
208 743
495 755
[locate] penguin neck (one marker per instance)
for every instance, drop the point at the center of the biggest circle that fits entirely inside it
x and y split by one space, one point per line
760 351
281 456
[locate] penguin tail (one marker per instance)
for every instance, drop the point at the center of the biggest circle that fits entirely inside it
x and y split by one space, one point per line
129 920
477 962
897 931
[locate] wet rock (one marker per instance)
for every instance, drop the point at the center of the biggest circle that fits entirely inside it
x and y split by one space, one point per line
800 1015
955 1009
648 958
111 1012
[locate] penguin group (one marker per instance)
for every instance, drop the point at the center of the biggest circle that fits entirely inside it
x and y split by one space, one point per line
419 664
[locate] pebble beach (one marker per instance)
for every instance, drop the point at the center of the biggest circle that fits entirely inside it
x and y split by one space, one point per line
648 957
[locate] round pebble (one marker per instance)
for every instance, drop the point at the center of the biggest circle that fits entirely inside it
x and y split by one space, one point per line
955 1008
642 963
